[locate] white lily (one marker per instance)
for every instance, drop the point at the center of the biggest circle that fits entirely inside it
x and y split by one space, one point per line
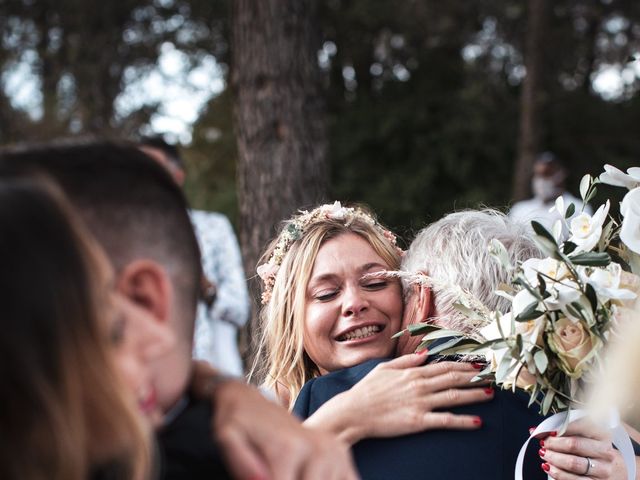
606 282
630 210
548 267
586 229
616 177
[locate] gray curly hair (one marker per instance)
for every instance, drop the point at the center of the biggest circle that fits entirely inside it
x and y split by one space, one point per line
455 251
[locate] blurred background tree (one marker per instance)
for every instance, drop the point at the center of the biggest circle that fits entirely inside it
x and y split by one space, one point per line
425 101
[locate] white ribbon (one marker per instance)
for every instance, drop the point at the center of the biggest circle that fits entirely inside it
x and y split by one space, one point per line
619 437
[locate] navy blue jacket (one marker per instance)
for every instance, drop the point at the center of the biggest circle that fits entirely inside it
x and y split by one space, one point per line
488 453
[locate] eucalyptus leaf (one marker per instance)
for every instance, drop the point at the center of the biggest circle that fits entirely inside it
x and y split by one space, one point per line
529 313
591 259
459 341
541 361
592 194
585 183
571 209
443 333
498 250
547 402
568 247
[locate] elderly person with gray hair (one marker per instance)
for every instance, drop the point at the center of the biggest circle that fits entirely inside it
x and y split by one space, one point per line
453 253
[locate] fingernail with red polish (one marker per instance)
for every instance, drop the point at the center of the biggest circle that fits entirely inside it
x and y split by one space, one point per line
477 421
542 443
488 391
542 451
546 467
553 434
423 352
478 366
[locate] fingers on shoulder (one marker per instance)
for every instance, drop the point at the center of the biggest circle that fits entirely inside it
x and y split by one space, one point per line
450 421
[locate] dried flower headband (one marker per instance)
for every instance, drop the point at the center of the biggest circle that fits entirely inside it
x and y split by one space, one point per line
296 228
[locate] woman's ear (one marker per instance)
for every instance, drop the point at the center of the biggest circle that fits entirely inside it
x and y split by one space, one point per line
146 283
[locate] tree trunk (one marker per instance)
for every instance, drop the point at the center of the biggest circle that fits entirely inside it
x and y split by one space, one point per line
531 98
279 118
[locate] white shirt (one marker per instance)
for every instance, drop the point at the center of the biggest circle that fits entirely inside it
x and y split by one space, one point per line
216 329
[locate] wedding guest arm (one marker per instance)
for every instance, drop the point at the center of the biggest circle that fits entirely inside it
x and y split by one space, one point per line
261 440
400 397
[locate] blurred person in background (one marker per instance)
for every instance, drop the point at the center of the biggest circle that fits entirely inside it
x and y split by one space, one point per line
548 183
225 308
68 362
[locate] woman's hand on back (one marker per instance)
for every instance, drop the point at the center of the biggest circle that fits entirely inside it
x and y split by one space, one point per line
399 397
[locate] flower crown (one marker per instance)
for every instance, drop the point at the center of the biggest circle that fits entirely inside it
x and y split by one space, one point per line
295 230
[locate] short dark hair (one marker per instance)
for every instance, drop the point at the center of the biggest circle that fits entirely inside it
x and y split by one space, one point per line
129 202
170 150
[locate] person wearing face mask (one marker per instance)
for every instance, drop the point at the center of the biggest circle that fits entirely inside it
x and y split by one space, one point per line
547 184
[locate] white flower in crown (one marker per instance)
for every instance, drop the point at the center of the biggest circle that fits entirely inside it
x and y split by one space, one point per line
630 210
616 177
336 211
586 229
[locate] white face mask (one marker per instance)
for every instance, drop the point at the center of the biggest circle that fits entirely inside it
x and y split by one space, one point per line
545 188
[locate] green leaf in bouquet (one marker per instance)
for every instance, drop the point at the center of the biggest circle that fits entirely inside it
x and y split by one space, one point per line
529 313
466 311
585 183
591 295
421 328
519 343
548 401
580 310
571 209
542 285
592 194
591 259
541 361
442 333
507 365
522 281
534 394
545 240
568 247
453 346
498 251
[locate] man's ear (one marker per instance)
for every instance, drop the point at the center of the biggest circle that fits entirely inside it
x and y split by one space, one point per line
423 307
146 283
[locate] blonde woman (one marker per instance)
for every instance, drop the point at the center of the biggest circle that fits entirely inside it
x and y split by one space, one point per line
326 309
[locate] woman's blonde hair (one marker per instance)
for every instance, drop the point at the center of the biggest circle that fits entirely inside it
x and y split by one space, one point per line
66 413
286 366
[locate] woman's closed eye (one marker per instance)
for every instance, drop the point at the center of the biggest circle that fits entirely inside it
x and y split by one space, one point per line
377 284
326 295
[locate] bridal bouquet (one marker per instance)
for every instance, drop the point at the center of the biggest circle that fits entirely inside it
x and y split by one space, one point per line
564 307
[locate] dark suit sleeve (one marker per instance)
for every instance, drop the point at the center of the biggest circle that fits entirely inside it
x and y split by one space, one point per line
302 406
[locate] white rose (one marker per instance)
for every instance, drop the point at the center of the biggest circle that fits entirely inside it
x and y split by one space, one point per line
586 230
630 209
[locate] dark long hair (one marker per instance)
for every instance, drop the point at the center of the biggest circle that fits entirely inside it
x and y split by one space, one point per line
63 410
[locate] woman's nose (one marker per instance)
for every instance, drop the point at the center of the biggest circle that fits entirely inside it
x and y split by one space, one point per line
354 302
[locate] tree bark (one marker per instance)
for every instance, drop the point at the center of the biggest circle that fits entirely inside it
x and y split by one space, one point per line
279 118
531 98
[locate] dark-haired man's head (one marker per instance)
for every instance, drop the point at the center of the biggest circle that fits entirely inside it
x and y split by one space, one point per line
166 154
139 215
